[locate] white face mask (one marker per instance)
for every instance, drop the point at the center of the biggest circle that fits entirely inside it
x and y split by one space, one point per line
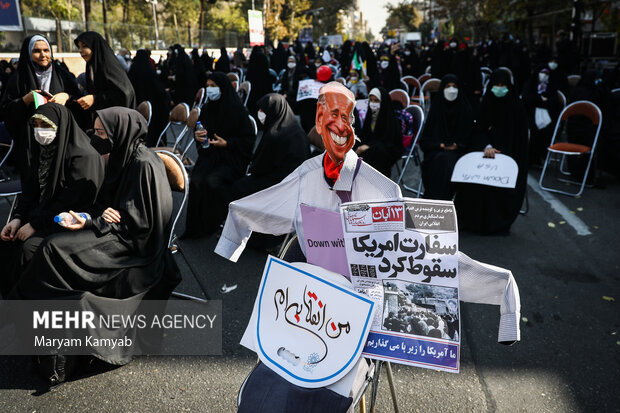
543 77
213 93
374 106
318 64
44 136
261 116
291 65
552 65
450 93
453 44
385 64
407 52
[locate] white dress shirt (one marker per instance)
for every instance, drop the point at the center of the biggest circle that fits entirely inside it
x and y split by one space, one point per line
276 210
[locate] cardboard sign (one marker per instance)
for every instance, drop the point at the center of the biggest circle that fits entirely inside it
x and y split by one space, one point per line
324 239
308 325
473 168
308 89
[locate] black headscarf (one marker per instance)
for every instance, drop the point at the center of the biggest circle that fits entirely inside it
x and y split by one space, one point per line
448 122
109 83
223 63
260 79
144 79
185 83
126 129
284 144
70 170
207 62
385 126
228 118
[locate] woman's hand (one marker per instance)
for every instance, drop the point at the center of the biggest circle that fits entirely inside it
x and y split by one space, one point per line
450 147
25 232
361 149
86 102
60 98
200 135
28 98
10 229
490 153
218 142
78 224
111 216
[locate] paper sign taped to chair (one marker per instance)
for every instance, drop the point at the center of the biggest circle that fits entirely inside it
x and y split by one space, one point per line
311 326
474 168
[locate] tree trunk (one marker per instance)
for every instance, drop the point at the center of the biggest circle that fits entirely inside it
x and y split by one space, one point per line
86 5
201 22
58 36
106 31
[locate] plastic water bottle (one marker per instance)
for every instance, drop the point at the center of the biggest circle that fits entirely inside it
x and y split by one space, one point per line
63 219
199 126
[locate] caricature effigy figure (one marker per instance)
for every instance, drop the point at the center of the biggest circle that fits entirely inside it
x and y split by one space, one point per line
326 181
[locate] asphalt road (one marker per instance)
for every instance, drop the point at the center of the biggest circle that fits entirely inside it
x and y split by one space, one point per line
567 360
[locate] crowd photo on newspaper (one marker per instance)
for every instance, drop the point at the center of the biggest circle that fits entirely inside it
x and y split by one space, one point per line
353 167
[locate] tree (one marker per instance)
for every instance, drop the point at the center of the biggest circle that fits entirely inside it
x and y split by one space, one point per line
326 21
403 16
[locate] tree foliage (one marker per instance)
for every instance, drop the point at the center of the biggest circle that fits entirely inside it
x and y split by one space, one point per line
403 15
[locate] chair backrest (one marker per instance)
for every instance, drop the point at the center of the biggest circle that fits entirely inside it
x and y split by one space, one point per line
245 88
562 99
486 70
254 124
423 78
194 114
431 85
178 180
180 113
615 92
413 84
199 100
234 79
512 79
146 110
584 108
418 122
401 96
5 141
404 86
427 70
573 80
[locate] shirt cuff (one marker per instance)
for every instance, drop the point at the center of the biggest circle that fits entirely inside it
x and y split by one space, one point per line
509 328
229 249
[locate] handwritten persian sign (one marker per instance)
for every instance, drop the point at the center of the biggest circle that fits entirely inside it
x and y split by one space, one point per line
310 325
403 254
473 168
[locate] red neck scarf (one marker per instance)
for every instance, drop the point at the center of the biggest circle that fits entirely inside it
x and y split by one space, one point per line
332 171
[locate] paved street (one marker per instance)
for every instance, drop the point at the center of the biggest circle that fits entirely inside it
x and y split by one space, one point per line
567 361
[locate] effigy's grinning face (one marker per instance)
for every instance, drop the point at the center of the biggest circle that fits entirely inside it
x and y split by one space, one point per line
333 123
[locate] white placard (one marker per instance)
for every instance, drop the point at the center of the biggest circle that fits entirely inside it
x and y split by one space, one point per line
308 89
255 24
308 324
473 168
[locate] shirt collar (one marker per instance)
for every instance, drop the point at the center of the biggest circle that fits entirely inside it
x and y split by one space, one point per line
345 181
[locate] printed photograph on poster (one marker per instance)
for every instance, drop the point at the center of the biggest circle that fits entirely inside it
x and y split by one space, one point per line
420 309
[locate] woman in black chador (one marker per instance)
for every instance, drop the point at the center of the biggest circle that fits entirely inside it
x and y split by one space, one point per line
36 70
148 86
107 83
184 84
447 135
381 138
501 128
122 251
231 138
260 79
69 173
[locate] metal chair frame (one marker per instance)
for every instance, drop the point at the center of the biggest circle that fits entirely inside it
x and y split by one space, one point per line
551 151
13 184
173 245
420 118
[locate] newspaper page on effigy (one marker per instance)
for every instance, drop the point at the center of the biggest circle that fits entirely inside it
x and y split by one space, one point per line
404 255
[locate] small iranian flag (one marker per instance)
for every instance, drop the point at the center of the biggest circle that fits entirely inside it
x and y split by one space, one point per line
39 99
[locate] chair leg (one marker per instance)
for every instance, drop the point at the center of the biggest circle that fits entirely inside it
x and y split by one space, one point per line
363 404
375 386
525 210
388 369
191 269
8 218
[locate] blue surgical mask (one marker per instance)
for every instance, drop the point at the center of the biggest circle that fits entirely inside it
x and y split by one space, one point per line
499 91
213 93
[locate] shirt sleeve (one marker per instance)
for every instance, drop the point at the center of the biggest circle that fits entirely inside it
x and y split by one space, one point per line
486 284
270 211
